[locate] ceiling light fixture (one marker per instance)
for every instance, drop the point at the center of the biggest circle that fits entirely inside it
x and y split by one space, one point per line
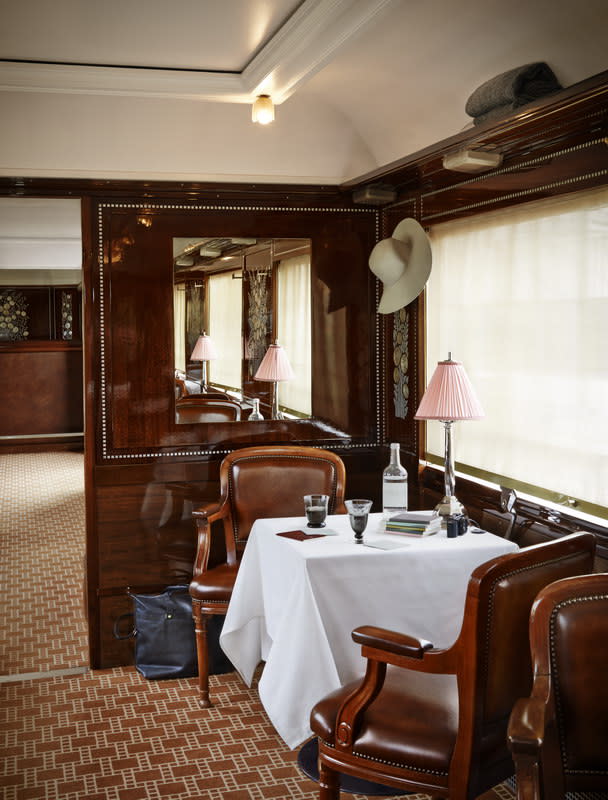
262 110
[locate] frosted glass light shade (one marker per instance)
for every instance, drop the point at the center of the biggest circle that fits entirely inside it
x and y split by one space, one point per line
450 395
275 365
262 110
204 349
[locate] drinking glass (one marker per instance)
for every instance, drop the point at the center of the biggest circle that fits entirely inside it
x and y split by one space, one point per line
315 506
357 514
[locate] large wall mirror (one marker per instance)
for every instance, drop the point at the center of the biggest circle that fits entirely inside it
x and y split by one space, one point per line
246 276
242 328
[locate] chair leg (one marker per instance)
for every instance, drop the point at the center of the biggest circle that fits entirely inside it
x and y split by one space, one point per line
329 783
202 653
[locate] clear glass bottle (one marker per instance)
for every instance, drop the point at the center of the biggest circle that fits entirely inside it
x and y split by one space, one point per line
255 414
394 485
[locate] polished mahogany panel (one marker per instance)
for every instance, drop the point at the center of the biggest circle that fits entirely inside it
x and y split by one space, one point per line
137 416
41 388
146 539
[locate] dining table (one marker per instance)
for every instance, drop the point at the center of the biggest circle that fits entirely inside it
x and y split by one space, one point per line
300 592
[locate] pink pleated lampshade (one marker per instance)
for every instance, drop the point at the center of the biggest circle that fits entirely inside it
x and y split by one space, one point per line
275 365
204 349
449 395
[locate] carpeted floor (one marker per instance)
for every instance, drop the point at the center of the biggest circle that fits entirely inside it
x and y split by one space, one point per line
109 734
42 543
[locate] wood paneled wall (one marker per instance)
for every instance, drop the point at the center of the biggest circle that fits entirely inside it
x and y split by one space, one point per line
146 472
41 391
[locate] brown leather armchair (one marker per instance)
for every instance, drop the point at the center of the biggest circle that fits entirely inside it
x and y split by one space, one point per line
255 482
196 408
559 735
435 721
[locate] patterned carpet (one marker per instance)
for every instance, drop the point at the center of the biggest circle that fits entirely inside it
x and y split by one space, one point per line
109 734
42 543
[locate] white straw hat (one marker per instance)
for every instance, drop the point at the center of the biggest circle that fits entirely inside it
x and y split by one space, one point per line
403 264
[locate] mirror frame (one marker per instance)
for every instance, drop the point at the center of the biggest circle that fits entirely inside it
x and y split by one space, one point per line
134 304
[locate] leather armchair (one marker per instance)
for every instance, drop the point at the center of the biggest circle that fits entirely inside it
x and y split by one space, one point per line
196 408
434 720
255 482
559 735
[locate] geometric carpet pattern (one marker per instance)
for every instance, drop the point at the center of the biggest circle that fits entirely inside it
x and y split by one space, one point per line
42 539
113 735
110 734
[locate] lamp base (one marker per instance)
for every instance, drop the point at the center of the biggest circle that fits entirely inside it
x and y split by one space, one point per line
448 506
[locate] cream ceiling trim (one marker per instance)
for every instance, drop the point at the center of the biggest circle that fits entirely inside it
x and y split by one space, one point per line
297 51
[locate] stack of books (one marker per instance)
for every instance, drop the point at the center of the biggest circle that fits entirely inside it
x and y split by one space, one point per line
411 523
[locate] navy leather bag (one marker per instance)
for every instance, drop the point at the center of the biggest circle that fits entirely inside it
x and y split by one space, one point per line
163 629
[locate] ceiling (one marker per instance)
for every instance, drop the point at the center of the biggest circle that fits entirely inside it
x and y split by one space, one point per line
150 89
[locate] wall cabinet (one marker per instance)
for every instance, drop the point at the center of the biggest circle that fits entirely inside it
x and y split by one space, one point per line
40 366
30 313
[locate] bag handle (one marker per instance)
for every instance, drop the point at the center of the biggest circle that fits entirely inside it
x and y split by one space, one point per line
132 633
178 587
117 623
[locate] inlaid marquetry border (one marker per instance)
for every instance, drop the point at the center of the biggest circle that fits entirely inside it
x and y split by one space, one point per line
142 207
394 376
512 197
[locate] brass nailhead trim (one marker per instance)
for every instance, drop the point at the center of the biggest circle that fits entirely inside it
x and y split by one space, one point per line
558 700
145 207
293 458
523 193
393 763
493 590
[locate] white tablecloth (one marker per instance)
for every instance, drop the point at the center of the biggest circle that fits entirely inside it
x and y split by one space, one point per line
295 604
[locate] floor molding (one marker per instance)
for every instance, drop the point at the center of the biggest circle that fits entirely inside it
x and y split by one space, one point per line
34 676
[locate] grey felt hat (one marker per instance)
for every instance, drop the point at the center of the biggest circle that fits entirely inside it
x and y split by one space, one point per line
403 263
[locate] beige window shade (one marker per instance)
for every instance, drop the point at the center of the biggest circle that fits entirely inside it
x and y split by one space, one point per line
520 296
179 326
225 322
293 330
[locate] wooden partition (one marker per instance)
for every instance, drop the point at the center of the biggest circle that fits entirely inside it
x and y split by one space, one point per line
146 472
42 405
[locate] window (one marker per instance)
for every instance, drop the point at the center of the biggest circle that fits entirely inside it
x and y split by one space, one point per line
520 296
179 326
225 324
293 299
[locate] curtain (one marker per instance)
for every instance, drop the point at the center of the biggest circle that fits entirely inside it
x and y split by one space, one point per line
520 296
179 326
293 304
225 321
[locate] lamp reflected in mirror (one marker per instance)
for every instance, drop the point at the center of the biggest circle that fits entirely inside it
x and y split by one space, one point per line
204 351
244 293
275 367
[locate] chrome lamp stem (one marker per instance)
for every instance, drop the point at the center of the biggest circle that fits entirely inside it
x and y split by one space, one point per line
449 504
275 413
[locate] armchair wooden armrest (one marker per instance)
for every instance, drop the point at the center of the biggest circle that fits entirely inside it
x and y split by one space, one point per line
526 735
204 515
211 511
390 641
382 647
401 650
526 731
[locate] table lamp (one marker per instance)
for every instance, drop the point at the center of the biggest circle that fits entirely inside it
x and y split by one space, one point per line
275 367
204 350
449 398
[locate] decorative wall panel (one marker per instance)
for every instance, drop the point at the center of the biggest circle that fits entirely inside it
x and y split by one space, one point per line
134 281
